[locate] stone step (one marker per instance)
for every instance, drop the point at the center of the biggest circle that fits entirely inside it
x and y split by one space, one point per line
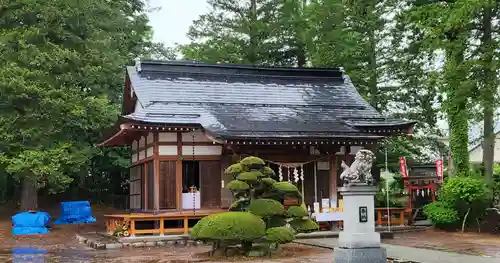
102 241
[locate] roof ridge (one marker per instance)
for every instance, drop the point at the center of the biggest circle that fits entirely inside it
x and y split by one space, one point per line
361 107
193 63
236 69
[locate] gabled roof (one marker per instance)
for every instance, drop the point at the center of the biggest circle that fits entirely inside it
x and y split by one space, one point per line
234 101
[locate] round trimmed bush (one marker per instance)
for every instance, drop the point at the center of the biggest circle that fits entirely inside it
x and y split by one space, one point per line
204 222
234 169
269 181
266 207
286 187
304 226
229 226
275 221
249 176
252 163
238 205
280 235
268 171
237 185
296 212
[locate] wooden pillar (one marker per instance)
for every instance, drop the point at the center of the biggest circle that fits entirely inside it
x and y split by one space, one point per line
178 173
156 165
145 187
332 159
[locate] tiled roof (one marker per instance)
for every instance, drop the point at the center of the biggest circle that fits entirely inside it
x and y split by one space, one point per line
246 101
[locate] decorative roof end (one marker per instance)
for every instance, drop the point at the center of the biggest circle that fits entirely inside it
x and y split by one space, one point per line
138 65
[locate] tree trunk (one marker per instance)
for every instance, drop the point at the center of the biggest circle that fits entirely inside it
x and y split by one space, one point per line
488 91
252 56
372 64
29 194
458 94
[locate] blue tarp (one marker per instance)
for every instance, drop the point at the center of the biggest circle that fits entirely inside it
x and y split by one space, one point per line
25 255
77 212
30 223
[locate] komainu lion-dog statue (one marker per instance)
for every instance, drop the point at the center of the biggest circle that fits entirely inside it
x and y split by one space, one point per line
359 173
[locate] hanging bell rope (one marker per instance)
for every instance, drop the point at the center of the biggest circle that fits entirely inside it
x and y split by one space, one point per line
194 168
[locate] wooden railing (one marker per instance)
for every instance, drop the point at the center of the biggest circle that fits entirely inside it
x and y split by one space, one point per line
396 216
113 221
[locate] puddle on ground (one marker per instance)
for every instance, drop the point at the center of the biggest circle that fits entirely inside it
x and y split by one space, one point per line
83 255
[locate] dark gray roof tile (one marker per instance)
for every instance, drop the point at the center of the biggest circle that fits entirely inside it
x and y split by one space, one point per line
233 100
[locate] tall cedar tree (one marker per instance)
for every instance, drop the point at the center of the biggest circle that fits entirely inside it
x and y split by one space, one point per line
61 75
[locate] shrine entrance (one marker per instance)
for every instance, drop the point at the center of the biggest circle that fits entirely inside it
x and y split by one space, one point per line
422 184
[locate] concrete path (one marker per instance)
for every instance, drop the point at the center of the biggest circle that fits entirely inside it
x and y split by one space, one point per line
410 254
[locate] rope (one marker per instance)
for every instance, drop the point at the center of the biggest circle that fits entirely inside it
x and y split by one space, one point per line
194 196
290 165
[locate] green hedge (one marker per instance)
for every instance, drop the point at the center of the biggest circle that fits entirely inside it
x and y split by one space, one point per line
268 171
237 185
229 226
234 169
280 235
304 226
252 162
266 207
296 212
251 177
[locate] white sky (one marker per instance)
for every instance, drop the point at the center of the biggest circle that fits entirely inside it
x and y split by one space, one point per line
172 18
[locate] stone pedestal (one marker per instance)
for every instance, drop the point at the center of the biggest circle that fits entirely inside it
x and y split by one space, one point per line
358 242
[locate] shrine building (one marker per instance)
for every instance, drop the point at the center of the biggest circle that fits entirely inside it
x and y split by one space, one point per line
185 122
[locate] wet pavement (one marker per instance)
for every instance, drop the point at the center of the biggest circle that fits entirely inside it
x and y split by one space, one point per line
61 246
302 254
463 243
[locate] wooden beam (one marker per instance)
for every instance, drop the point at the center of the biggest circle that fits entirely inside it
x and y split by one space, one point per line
178 173
156 165
145 183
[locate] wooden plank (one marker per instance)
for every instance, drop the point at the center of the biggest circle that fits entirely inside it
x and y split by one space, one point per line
332 182
186 225
174 230
162 226
309 183
145 187
323 184
132 230
226 195
167 185
167 215
210 184
147 231
151 186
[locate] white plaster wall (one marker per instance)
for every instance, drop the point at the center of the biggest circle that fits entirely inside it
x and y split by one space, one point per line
202 150
142 155
150 138
134 146
476 154
167 150
198 137
167 137
149 152
142 142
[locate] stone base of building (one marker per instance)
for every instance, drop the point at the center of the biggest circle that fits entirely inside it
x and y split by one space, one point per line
360 255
